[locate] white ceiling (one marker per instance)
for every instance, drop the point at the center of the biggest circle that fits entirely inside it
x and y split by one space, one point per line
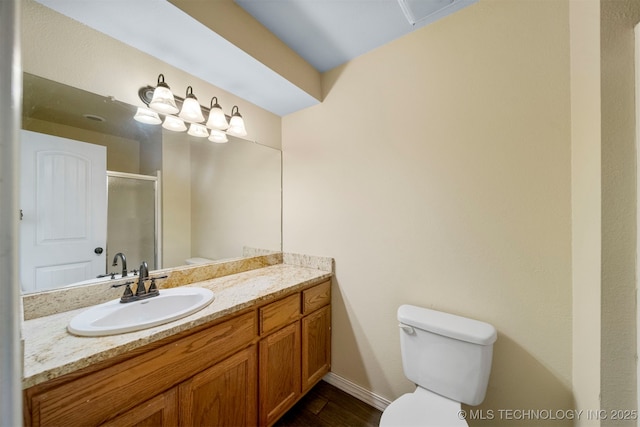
326 33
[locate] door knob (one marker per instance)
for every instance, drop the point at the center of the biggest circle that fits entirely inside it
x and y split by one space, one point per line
98 250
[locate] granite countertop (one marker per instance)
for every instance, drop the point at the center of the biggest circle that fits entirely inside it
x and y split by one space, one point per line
50 351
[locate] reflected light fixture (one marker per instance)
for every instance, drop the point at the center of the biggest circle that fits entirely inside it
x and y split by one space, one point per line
236 124
191 111
145 115
161 100
199 130
218 136
173 123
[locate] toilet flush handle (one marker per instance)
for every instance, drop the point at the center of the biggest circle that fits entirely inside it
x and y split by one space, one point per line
408 329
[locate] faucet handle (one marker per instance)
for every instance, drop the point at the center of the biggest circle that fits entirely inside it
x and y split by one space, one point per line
128 293
152 287
117 285
140 289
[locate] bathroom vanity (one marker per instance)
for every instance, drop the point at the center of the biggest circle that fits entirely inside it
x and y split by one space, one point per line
243 360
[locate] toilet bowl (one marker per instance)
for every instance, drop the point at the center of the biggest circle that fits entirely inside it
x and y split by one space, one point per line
448 357
423 408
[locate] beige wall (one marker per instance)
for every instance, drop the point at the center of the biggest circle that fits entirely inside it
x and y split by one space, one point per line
123 155
618 372
585 203
437 172
236 194
176 199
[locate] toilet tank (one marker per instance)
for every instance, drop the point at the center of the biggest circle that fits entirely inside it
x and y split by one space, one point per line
447 354
197 260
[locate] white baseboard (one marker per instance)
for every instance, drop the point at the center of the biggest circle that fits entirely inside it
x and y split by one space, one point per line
357 391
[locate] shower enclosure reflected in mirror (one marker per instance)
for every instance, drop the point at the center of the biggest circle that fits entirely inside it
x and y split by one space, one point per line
133 220
213 199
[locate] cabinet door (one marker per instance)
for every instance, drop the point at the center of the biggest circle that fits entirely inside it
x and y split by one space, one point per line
279 372
316 346
94 398
159 411
223 395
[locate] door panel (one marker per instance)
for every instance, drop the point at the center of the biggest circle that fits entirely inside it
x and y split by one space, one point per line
223 395
279 368
63 202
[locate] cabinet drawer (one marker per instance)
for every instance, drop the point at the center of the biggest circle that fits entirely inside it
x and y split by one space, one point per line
279 313
93 399
316 297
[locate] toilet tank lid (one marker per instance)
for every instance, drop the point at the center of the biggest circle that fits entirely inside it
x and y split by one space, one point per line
448 325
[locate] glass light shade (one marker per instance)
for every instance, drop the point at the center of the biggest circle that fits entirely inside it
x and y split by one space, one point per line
218 136
196 129
217 119
173 123
236 126
144 115
191 111
163 100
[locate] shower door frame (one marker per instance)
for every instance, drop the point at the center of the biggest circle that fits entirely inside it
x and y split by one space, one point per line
157 179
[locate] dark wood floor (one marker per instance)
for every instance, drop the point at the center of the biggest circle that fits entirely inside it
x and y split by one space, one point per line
327 406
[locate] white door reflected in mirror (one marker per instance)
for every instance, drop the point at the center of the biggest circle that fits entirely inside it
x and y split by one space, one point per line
63 230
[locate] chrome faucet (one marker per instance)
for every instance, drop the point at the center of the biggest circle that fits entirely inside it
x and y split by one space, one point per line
124 263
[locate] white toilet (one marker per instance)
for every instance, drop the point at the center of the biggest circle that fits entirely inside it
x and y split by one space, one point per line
448 357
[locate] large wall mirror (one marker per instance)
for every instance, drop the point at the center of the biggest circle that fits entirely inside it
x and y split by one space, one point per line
168 197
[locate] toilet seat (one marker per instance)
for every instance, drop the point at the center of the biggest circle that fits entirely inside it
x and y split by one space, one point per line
423 408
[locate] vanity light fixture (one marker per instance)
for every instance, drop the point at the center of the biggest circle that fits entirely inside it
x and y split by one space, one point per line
161 100
236 124
191 111
217 119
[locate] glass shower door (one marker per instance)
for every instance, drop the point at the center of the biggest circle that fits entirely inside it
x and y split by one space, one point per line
132 220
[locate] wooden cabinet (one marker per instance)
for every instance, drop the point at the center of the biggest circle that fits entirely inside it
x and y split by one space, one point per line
279 314
223 395
316 347
316 297
160 411
93 398
279 373
245 370
295 357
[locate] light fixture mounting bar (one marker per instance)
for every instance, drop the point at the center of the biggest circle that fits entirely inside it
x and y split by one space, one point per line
145 94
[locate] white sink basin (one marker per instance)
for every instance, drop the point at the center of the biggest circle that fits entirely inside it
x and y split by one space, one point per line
114 317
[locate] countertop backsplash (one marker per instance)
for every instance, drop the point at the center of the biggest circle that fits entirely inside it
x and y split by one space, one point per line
64 299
